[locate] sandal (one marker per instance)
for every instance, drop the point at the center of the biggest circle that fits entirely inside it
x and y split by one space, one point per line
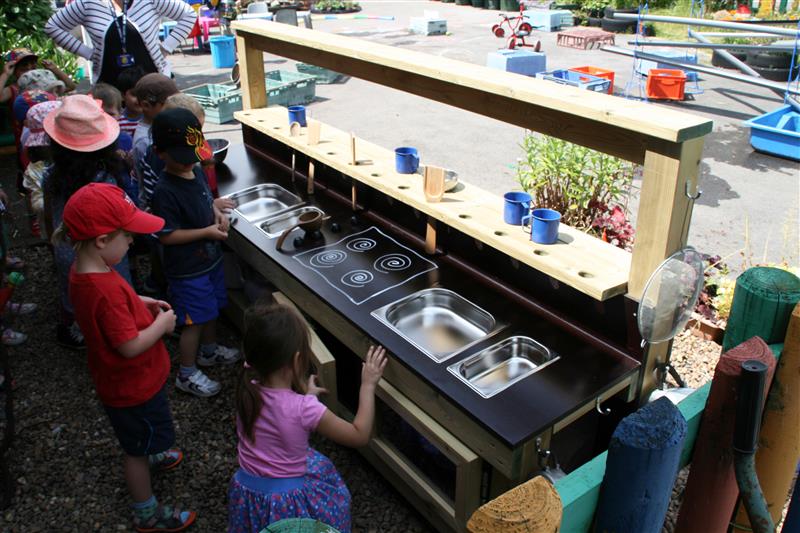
167 460
20 309
14 263
13 338
165 519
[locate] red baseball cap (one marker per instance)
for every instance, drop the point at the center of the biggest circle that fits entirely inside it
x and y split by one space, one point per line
100 208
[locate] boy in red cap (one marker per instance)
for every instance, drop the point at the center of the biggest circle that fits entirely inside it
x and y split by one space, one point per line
191 237
128 361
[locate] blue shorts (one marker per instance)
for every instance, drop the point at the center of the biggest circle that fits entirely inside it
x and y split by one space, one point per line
144 429
199 299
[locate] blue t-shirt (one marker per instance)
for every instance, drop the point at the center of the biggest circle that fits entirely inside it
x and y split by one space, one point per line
186 204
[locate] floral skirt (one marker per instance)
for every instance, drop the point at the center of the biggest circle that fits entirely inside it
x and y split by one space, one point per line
255 502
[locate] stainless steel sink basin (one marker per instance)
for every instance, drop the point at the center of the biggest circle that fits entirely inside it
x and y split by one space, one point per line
260 202
277 224
501 365
437 321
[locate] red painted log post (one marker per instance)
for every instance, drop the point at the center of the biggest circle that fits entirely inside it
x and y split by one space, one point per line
711 490
643 460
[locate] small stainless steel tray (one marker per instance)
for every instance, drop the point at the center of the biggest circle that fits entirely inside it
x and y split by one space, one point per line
256 204
438 322
275 225
499 366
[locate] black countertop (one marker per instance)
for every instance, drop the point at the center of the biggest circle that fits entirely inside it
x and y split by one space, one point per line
514 415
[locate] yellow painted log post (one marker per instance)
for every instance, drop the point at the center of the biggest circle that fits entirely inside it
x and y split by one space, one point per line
533 507
779 441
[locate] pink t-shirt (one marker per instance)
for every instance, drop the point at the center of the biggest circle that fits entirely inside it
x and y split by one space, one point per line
280 434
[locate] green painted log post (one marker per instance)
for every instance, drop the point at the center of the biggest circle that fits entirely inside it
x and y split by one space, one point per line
762 304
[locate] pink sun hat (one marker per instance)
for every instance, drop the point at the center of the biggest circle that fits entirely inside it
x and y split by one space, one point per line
80 124
34 121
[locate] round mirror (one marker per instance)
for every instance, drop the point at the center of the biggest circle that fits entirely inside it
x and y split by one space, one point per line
670 296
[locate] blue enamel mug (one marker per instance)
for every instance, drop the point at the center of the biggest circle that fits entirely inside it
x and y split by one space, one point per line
297 113
517 205
406 159
544 225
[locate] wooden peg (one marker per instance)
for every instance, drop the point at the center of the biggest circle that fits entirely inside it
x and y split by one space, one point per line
310 181
354 196
434 183
313 131
294 129
353 160
430 236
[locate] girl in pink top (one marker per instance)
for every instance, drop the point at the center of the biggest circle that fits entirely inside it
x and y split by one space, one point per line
277 408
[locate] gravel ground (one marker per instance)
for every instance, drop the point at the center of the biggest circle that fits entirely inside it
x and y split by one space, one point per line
67 463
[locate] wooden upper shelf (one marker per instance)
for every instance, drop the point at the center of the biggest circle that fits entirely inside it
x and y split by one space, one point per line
621 127
588 264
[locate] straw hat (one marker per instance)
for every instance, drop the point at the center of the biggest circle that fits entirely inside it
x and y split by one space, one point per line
80 124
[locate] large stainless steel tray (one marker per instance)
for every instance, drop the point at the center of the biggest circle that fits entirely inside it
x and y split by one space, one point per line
256 204
499 366
277 224
438 322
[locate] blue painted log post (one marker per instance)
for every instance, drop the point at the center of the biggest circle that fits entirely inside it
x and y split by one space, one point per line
643 460
792 522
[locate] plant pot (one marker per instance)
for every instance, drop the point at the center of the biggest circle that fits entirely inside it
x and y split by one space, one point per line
463 2
509 5
718 61
479 3
700 327
618 26
492 4
769 59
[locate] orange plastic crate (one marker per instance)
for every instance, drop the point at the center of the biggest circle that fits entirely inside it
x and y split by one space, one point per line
599 72
665 84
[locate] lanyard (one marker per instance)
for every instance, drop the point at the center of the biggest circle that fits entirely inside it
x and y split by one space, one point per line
122 28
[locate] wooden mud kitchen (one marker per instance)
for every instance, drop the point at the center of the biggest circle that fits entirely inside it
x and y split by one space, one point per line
508 358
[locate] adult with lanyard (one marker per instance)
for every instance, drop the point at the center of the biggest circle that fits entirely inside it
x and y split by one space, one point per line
124 33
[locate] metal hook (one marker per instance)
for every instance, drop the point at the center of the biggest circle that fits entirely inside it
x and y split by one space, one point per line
694 196
604 411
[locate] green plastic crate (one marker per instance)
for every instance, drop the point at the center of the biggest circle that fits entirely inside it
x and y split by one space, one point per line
221 100
323 76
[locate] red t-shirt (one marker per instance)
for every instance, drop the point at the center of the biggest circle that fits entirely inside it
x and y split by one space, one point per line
110 314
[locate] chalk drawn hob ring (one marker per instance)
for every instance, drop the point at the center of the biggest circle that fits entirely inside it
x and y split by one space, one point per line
357 278
362 244
392 263
327 259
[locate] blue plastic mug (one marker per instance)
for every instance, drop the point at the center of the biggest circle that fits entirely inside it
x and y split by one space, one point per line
406 159
544 225
518 204
297 113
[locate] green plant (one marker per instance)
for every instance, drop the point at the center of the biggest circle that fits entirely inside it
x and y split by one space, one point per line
595 6
42 46
24 15
576 181
336 5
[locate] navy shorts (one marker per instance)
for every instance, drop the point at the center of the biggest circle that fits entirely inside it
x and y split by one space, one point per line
144 429
199 299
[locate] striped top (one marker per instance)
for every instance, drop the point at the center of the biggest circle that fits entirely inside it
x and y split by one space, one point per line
127 124
98 16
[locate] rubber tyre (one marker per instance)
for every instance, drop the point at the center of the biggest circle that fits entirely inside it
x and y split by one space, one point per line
769 59
526 27
498 31
776 74
718 61
618 26
595 22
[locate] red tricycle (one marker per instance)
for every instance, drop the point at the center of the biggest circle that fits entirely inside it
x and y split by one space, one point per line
518 29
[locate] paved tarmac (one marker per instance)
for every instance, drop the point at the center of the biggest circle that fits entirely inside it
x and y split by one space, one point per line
750 201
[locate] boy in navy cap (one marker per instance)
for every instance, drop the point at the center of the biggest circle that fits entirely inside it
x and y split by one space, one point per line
192 235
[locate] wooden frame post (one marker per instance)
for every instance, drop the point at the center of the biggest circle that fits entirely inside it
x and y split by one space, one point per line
251 74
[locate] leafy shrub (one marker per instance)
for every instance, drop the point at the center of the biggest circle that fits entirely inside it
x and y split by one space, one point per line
336 5
22 25
580 183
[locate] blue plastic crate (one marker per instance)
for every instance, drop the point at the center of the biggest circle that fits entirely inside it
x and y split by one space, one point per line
576 79
777 133
549 20
645 65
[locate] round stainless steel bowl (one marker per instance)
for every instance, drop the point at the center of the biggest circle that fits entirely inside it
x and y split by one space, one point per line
220 148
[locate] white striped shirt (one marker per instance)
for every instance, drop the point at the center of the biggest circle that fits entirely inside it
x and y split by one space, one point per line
97 16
